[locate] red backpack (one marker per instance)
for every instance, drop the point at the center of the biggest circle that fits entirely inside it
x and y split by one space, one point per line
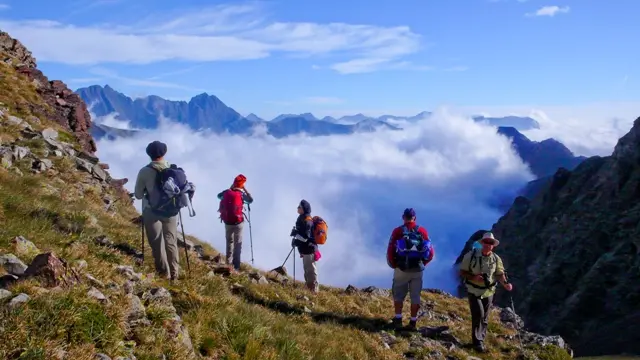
231 207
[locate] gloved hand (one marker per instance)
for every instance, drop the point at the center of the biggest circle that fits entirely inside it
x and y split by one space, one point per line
293 232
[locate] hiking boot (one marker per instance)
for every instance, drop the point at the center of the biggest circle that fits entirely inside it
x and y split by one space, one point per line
480 348
412 325
396 322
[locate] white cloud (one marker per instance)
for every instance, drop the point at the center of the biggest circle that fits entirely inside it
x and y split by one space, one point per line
360 184
5 7
549 11
224 32
586 129
87 80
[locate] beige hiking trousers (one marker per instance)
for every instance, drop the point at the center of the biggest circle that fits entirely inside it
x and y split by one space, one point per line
162 235
310 272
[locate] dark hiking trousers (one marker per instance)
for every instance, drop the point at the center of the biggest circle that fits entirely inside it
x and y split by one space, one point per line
480 309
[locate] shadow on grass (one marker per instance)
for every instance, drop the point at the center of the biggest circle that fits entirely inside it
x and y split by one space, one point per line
362 323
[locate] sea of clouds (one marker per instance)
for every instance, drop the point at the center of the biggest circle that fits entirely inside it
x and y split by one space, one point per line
447 168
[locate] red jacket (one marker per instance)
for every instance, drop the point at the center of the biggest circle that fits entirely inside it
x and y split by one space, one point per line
397 234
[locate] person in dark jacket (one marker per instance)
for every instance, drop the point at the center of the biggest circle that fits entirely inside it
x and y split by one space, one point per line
307 247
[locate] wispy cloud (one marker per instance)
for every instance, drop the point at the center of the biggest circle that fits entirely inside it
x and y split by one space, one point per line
110 74
175 72
549 11
223 32
4 7
87 80
323 100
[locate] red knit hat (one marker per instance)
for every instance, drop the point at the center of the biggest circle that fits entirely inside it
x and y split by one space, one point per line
239 181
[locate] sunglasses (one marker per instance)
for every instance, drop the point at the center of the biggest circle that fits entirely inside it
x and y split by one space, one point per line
488 242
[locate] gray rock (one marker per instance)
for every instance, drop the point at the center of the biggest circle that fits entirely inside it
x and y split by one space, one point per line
40 165
510 318
137 314
20 152
101 356
93 281
181 242
388 338
128 272
24 247
50 133
18 300
83 165
96 294
542 340
263 280
6 157
58 153
16 121
128 287
81 264
99 173
12 264
5 294
159 297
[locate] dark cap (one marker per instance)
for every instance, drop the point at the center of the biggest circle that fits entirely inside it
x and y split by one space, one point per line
409 213
306 207
156 149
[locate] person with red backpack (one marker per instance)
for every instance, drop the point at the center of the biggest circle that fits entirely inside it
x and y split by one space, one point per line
231 207
408 252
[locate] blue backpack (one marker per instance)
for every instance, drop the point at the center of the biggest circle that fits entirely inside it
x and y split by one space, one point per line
411 249
175 191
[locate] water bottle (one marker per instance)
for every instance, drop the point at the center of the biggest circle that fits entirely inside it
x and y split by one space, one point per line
477 245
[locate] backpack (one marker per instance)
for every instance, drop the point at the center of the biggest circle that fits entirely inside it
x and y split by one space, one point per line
231 206
411 249
319 229
175 191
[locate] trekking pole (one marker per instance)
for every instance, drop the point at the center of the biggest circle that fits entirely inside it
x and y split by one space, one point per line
513 308
294 267
142 242
250 234
184 240
285 260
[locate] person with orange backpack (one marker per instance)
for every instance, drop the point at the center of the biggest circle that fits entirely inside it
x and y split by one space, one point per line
231 207
308 233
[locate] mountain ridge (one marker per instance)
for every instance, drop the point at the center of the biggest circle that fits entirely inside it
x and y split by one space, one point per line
208 111
572 248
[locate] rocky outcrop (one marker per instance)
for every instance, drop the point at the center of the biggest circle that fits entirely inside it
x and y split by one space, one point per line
573 253
60 104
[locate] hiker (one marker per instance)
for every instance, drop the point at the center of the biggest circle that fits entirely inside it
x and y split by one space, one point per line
481 268
408 253
160 210
304 241
232 201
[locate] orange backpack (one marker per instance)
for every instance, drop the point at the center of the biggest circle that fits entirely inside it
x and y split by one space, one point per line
319 229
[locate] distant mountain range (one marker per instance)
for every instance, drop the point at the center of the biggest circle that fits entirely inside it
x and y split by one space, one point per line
206 111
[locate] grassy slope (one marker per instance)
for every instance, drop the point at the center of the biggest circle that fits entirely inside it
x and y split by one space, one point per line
222 324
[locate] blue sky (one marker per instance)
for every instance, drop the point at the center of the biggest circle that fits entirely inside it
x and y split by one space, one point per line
331 57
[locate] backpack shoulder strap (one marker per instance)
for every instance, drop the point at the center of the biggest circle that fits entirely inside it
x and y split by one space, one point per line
473 255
